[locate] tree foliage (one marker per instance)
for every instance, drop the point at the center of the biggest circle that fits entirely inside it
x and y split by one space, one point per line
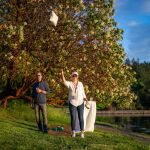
142 86
86 39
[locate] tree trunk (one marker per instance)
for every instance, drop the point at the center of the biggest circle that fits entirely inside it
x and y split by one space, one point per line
25 87
20 93
5 100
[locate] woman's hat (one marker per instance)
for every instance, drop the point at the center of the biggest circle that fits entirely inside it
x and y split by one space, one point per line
75 73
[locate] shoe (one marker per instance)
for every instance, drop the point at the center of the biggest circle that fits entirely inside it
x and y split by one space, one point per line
45 131
73 134
40 129
82 134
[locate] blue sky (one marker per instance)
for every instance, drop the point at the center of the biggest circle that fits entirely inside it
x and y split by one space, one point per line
133 16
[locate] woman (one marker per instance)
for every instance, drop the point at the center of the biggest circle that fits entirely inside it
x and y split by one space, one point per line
76 101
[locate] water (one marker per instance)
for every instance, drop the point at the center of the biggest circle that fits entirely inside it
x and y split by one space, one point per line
135 124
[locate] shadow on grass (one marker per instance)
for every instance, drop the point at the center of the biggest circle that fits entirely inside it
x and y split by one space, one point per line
21 124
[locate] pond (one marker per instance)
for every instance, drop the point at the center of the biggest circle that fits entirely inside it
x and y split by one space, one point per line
135 124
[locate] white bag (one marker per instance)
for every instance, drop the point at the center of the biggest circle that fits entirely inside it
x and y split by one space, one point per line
54 18
89 118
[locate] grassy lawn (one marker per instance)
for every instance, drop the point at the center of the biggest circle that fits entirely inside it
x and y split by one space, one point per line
18 131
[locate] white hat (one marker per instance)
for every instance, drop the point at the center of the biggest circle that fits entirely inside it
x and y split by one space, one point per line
75 73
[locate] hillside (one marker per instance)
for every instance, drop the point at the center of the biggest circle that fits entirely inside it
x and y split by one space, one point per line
18 131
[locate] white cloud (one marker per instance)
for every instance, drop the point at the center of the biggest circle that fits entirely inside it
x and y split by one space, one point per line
146 6
132 23
118 4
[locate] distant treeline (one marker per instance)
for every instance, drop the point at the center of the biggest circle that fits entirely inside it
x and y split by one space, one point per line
142 86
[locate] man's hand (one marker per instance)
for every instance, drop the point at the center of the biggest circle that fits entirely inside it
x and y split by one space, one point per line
38 90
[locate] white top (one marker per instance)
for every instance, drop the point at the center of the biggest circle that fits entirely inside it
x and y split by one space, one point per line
76 94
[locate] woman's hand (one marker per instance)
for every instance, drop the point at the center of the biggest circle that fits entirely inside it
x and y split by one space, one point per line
87 105
85 99
62 75
62 72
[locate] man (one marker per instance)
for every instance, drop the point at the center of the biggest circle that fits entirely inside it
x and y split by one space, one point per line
40 89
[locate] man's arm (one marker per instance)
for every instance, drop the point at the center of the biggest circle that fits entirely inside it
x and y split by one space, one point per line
47 89
33 91
33 95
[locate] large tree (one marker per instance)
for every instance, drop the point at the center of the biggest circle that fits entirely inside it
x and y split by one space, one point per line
85 39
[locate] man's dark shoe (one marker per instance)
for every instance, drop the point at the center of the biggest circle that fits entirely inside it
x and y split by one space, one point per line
45 131
40 129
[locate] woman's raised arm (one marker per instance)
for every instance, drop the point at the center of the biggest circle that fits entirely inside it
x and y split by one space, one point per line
62 75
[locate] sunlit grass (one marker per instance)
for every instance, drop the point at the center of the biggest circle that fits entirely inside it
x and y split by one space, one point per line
18 131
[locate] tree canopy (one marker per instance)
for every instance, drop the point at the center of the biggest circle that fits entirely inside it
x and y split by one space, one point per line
85 39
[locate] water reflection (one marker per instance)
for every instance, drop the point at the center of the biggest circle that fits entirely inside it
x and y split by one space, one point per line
135 124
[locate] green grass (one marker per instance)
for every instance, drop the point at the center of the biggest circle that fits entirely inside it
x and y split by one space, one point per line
22 111
18 132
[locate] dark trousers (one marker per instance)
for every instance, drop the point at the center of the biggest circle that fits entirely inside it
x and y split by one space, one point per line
41 108
73 112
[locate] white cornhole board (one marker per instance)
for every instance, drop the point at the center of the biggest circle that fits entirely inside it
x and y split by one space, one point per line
89 118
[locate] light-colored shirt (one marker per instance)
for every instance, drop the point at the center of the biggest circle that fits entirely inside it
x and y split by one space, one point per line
76 94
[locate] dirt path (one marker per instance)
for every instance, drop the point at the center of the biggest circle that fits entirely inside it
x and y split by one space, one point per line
137 136
66 131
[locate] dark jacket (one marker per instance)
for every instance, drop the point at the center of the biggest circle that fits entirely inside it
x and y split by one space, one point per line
40 98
